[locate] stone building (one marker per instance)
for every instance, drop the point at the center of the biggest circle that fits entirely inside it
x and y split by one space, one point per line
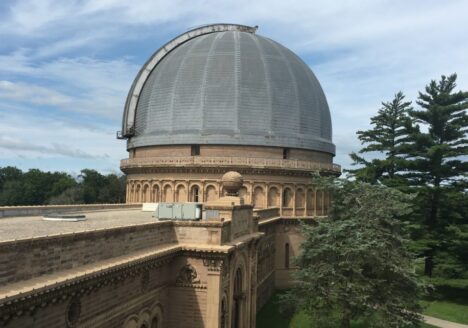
219 116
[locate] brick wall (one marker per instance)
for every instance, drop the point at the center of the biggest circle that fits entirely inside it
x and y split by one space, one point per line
25 259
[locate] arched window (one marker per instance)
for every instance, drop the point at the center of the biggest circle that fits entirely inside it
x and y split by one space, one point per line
259 197
181 194
287 197
144 196
211 193
195 194
273 197
168 196
155 194
286 255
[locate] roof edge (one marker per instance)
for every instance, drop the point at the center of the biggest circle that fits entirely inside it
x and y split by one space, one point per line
128 120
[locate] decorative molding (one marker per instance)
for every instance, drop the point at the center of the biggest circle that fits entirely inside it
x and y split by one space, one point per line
214 264
28 303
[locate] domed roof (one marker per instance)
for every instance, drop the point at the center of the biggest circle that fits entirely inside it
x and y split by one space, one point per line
227 85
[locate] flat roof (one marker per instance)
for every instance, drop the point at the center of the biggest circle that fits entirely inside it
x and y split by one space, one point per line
22 227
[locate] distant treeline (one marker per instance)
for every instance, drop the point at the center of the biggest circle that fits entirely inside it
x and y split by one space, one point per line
36 187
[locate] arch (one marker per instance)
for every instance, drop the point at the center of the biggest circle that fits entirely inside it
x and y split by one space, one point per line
287 197
195 194
273 197
131 195
319 202
258 197
145 195
168 194
131 322
326 202
155 193
310 202
211 193
300 198
157 318
181 193
244 193
137 193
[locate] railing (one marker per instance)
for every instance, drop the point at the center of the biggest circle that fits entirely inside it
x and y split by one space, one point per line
228 161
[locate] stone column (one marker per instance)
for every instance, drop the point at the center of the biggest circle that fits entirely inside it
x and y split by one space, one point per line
214 292
294 200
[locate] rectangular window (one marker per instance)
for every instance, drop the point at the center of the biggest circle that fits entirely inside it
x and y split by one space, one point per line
285 153
195 151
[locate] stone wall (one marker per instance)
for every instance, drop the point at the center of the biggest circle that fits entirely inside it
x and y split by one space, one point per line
233 151
28 258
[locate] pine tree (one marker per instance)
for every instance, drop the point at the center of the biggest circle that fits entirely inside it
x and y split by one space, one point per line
387 137
437 155
436 158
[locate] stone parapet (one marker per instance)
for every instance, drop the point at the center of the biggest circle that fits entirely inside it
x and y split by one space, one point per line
9 211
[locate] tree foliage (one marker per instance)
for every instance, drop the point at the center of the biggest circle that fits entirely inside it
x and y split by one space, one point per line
354 263
431 162
36 187
388 135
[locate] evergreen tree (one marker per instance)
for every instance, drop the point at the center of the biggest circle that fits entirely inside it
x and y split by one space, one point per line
437 164
388 135
437 155
354 265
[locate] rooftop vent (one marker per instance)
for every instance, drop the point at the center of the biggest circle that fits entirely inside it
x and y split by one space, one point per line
64 218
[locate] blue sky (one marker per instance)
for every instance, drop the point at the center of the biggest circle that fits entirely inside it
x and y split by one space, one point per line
66 66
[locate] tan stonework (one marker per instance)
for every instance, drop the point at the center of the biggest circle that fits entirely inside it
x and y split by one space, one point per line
209 273
169 173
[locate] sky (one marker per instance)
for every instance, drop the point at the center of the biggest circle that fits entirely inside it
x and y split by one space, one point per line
66 66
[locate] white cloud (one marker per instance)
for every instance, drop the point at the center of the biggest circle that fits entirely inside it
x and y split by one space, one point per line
31 93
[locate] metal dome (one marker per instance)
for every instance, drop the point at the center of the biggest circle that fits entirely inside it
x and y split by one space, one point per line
226 85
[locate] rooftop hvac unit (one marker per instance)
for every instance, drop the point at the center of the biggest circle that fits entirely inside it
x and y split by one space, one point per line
178 211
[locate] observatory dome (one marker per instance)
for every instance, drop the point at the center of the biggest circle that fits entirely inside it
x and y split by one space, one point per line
226 85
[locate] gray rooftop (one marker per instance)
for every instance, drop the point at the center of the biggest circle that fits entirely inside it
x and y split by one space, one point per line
230 86
33 226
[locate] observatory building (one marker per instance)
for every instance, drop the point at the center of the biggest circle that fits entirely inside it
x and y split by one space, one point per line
225 129
223 98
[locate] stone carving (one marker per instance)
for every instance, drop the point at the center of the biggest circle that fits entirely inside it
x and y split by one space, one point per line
187 276
213 264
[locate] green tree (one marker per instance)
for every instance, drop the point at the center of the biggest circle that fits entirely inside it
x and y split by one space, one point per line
437 168
437 155
354 263
387 137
